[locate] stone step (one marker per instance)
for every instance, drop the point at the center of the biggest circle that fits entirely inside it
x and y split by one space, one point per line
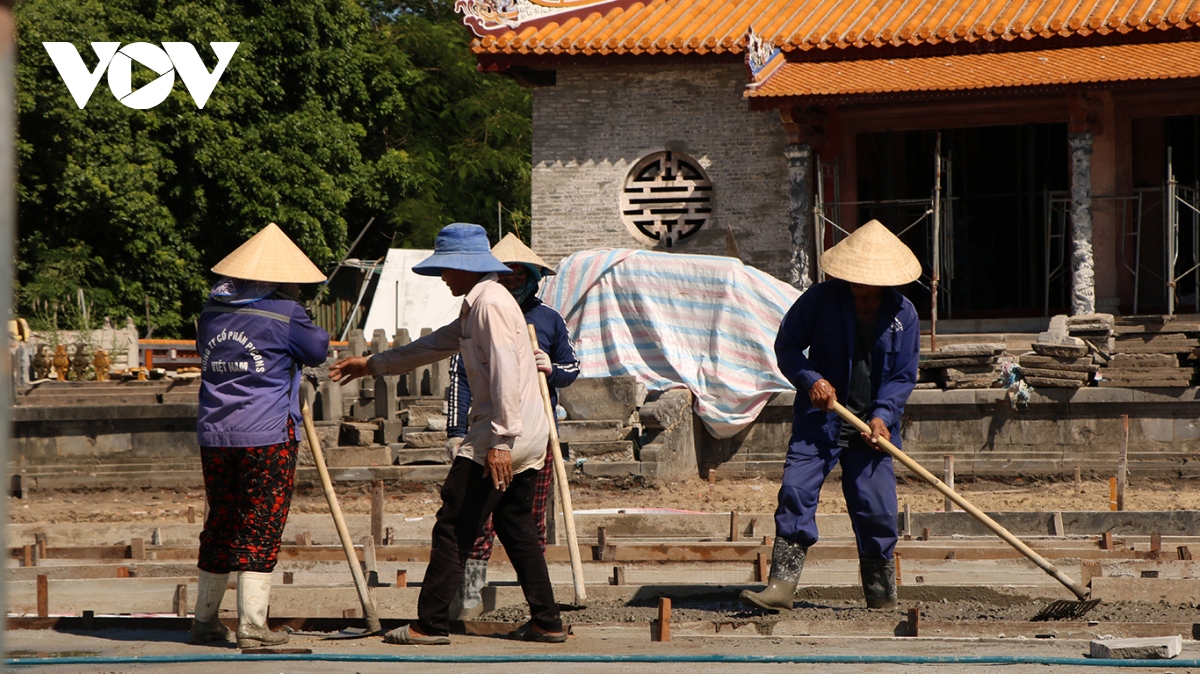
390 431
621 450
420 415
602 398
348 457
406 456
133 465
420 438
357 433
755 458
57 387
753 468
593 431
610 468
76 398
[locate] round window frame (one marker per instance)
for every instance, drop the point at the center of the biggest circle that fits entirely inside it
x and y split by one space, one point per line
635 225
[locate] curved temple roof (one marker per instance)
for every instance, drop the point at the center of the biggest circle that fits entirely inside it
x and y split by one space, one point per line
715 26
1056 67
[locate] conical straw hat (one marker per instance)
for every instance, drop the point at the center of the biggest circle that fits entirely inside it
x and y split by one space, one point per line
272 257
872 256
511 249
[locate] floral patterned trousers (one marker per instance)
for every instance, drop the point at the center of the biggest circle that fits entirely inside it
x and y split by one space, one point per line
249 493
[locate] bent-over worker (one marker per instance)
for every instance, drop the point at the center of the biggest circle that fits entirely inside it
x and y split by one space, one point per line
253 338
505 446
862 340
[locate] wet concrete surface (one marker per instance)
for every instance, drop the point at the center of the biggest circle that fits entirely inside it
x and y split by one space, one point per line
977 605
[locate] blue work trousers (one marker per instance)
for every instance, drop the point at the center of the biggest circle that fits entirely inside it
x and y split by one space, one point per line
868 482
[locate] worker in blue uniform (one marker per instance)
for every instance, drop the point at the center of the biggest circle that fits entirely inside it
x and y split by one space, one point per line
854 339
556 358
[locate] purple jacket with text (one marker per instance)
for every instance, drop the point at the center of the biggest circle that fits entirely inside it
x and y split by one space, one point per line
250 361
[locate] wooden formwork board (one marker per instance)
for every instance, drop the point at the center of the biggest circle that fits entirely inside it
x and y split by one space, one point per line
843 572
619 527
160 595
632 551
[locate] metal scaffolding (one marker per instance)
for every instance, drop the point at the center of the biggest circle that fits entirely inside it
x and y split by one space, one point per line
1180 218
939 205
1187 196
1169 198
1131 236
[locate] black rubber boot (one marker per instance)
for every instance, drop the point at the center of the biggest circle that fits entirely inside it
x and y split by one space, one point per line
787 561
879 582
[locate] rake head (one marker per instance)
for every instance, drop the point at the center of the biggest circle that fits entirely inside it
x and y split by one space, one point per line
1065 609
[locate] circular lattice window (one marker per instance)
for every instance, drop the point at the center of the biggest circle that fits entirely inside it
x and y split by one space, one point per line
667 198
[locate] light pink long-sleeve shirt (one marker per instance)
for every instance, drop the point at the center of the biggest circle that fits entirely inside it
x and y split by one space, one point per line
507 411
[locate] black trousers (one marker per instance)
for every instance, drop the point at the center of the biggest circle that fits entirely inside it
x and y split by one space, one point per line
467 500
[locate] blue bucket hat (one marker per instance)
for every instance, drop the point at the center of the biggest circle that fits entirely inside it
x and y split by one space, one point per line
464 247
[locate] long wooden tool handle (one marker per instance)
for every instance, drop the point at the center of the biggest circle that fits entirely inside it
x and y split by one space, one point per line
360 583
963 503
560 476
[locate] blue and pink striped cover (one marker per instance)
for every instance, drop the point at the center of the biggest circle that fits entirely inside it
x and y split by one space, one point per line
703 322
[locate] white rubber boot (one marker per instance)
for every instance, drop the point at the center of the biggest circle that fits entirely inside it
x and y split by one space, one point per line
254 595
206 626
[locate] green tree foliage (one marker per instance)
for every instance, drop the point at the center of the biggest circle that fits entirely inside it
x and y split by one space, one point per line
330 112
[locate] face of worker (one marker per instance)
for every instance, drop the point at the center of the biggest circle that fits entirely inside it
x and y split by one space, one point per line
866 298
460 282
518 277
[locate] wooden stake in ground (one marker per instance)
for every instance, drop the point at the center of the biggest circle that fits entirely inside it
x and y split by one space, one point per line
564 489
377 512
948 478
664 619
43 596
360 583
1122 462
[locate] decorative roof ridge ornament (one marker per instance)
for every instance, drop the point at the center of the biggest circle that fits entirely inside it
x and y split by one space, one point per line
496 17
763 58
488 15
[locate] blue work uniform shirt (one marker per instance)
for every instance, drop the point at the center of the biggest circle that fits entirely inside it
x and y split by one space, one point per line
823 322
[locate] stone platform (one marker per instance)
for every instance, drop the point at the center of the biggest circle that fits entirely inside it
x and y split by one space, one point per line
143 434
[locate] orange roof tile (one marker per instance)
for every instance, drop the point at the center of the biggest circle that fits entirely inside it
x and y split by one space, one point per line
1051 67
703 26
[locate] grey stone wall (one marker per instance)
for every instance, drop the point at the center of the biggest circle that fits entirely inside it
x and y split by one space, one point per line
591 128
1059 430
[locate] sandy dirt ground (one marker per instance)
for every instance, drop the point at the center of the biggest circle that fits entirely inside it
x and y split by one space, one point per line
751 495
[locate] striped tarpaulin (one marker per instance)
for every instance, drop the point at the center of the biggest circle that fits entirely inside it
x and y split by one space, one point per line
702 322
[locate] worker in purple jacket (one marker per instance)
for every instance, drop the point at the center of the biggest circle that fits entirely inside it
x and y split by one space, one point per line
853 339
253 338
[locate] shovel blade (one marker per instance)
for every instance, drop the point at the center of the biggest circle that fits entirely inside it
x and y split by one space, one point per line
350 633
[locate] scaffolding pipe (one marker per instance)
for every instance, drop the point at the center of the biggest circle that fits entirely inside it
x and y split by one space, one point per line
1137 253
948 233
819 220
937 233
1172 234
